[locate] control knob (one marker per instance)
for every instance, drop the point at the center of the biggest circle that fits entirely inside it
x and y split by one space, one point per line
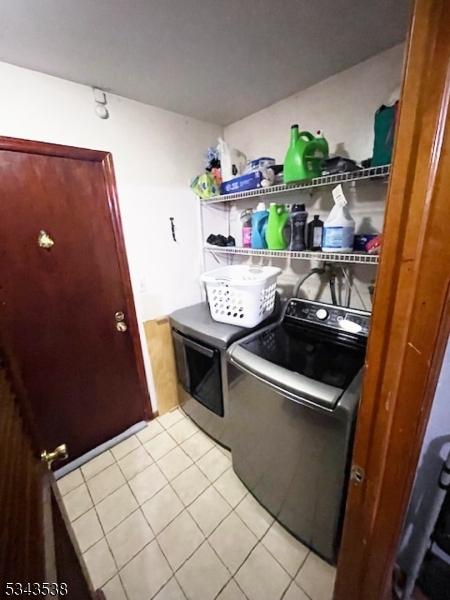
322 314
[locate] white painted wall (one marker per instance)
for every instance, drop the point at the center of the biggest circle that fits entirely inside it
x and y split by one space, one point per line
343 106
155 153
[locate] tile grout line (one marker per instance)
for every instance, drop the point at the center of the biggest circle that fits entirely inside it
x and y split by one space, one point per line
86 479
205 541
94 505
154 539
116 460
258 541
186 507
118 570
265 532
139 507
104 536
206 538
277 560
168 483
246 494
144 546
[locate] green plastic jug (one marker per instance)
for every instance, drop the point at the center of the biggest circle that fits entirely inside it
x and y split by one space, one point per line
278 218
304 156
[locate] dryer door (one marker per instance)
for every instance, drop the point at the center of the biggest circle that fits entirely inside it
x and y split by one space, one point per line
199 372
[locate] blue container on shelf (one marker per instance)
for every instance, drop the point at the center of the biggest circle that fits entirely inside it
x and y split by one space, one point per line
259 225
248 181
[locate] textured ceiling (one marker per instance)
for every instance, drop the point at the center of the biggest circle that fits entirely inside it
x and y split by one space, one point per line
216 60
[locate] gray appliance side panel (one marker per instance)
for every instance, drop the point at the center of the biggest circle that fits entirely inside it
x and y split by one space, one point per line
293 458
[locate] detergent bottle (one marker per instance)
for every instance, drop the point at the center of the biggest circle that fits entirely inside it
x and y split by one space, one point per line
246 220
232 161
315 232
275 234
292 160
339 228
304 156
259 226
297 222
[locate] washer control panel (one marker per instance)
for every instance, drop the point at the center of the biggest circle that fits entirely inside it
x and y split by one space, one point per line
346 320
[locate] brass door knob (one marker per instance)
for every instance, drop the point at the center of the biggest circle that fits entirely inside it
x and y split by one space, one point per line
59 453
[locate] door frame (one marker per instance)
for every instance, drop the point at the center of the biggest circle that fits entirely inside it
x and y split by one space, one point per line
411 315
106 162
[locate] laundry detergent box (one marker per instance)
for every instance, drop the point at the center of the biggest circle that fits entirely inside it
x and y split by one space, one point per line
248 181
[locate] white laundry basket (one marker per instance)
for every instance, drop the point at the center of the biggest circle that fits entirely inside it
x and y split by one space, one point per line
240 294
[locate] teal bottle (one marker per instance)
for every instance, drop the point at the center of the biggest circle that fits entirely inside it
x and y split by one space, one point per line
260 218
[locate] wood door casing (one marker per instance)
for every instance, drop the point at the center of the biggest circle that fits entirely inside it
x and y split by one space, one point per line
410 322
84 379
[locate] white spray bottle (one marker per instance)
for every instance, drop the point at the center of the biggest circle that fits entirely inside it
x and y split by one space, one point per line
339 228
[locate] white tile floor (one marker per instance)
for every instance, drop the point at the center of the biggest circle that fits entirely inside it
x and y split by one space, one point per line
162 515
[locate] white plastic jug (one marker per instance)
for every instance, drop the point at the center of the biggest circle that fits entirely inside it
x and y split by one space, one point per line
232 162
339 228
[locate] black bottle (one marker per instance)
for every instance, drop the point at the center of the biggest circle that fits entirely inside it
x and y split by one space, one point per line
297 225
315 230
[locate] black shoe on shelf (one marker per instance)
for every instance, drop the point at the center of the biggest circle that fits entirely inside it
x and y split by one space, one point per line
220 240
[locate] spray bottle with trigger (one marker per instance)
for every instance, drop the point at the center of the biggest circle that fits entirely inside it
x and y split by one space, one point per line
339 228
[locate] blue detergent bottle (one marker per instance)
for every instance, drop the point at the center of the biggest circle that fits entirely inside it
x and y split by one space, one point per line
259 225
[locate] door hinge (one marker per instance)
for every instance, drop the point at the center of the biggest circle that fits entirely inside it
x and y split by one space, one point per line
357 474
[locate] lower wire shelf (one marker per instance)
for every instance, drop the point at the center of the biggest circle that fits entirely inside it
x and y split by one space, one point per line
341 257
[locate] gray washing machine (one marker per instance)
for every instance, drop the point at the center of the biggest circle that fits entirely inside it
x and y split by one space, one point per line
200 345
293 395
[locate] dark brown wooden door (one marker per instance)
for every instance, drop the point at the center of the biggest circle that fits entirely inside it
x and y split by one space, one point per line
84 378
37 554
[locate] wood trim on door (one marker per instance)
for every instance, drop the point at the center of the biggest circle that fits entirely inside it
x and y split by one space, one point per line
106 161
411 321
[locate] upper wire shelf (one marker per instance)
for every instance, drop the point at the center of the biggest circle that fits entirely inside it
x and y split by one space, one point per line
341 257
360 175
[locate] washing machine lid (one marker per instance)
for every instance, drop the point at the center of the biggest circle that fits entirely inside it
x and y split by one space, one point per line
306 361
196 322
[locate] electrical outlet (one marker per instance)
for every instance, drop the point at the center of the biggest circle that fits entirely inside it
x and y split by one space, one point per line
142 286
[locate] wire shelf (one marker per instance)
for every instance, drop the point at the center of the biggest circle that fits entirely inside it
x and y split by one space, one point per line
340 257
381 172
